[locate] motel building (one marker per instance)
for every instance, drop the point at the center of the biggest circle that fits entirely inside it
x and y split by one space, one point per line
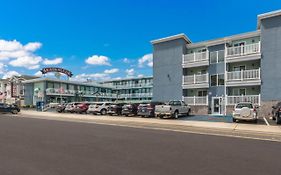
212 76
55 90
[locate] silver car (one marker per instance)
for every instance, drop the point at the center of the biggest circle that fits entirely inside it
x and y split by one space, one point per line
245 111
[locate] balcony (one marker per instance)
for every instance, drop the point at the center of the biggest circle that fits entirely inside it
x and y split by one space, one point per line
232 100
243 53
196 81
63 92
132 86
136 95
196 59
196 101
244 77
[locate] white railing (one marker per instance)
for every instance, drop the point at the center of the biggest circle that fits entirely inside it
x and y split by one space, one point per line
232 100
196 57
243 50
195 79
244 75
139 95
60 91
196 100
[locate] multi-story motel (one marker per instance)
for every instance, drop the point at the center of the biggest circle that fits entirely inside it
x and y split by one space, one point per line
52 90
214 75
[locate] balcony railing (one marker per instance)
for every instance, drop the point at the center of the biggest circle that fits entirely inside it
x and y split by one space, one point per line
244 75
232 100
243 50
135 95
196 100
195 79
60 91
196 57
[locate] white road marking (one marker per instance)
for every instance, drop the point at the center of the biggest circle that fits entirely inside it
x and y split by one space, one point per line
266 121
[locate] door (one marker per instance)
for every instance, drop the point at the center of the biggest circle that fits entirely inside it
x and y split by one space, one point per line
217 105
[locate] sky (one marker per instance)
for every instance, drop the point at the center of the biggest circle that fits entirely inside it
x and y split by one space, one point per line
110 39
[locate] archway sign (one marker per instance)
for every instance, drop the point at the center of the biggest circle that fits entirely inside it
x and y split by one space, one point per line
56 69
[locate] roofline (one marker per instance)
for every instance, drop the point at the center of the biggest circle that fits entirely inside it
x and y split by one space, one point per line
122 79
267 15
65 81
170 38
224 39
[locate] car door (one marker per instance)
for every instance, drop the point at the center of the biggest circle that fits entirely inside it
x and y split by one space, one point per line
1 107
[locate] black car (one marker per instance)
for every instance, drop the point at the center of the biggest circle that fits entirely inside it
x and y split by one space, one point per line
5 108
148 109
276 113
130 109
115 109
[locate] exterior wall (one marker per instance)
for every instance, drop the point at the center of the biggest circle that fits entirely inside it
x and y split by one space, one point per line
28 94
271 55
199 110
167 70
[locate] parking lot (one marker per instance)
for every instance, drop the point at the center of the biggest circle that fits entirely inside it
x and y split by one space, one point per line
208 118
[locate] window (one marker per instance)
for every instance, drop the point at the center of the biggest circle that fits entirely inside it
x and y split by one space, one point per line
217 80
217 56
239 68
202 93
213 80
221 79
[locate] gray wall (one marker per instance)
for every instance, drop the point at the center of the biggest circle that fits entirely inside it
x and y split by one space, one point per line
28 94
217 68
167 70
271 58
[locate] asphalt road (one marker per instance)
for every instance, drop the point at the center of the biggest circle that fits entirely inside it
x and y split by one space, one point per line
45 147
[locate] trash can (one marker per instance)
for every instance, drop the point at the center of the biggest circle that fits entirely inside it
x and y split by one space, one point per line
39 105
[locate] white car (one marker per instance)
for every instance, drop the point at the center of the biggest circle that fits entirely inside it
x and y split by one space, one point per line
245 111
101 108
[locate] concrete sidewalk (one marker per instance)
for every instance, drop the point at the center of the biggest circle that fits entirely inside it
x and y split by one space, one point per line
218 126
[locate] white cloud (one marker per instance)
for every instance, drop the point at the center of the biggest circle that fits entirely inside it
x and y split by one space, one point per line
29 62
146 60
20 55
53 62
32 46
38 74
126 60
10 74
111 71
130 72
98 60
140 75
2 68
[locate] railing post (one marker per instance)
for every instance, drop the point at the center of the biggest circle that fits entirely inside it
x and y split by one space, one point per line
241 76
259 99
194 100
259 73
217 60
193 78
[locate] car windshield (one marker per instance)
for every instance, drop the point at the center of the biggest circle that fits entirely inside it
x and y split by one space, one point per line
242 105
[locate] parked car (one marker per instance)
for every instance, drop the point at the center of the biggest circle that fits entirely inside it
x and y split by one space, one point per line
276 113
130 109
61 107
70 107
99 108
245 111
81 108
172 109
115 109
148 109
5 108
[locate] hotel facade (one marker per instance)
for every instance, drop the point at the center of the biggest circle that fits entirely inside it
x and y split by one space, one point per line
50 90
212 76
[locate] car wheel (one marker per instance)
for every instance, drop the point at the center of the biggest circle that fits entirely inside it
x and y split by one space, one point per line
256 121
278 120
188 113
234 120
103 112
176 114
14 111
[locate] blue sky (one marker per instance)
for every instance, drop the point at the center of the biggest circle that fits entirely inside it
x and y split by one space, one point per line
65 33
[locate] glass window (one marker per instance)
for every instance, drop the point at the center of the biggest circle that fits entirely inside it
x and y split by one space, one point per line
221 79
221 56
213 80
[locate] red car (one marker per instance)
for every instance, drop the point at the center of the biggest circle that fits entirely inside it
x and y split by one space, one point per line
81 108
